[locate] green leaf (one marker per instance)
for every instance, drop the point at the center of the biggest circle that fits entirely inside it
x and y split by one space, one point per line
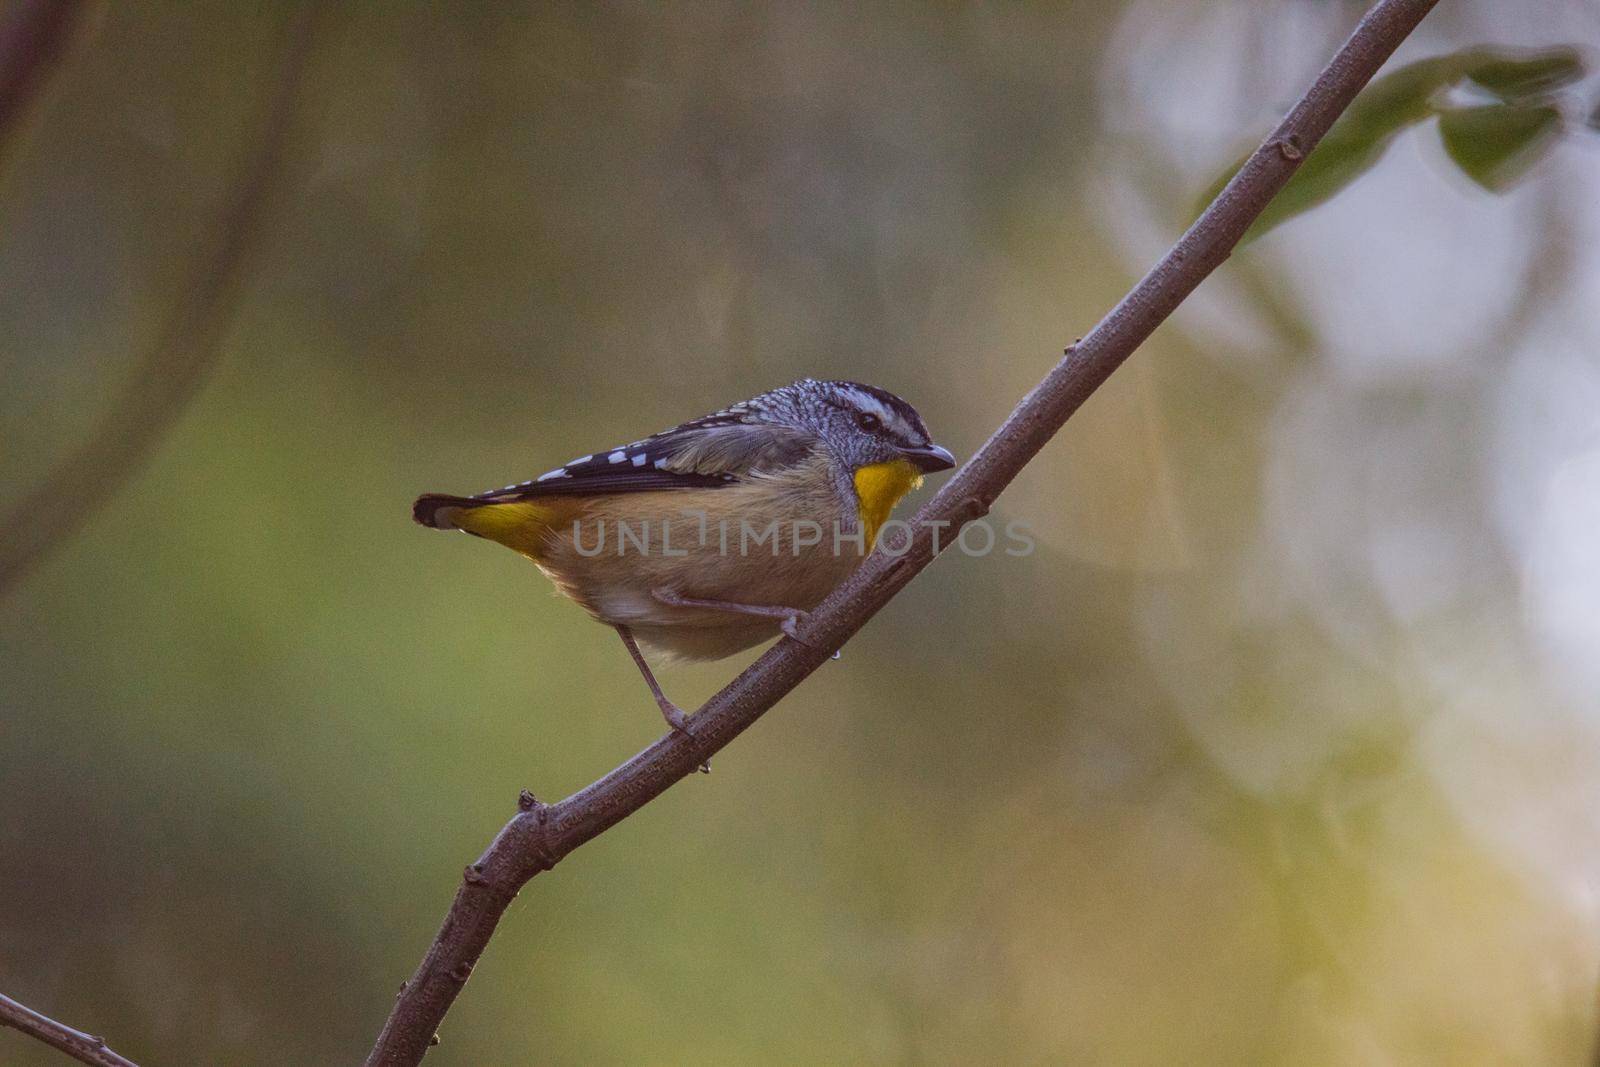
1495 145
1336 162
1514 75
1356 142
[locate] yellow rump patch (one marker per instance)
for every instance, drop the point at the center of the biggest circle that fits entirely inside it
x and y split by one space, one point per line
523 526
879 488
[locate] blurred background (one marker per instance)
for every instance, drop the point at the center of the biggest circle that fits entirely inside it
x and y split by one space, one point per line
1284 747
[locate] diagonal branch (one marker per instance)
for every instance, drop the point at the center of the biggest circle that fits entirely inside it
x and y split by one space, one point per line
170 373
32 38
85 1048
540 835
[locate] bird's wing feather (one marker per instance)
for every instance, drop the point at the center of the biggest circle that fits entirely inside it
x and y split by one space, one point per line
706 453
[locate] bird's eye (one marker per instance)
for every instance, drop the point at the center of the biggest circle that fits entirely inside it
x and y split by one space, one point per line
868 421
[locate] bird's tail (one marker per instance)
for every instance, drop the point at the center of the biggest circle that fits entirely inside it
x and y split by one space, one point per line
441 511
522 525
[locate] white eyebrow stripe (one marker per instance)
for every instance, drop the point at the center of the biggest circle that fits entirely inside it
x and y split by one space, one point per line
868 402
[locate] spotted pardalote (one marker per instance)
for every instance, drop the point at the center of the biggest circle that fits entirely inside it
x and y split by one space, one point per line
721 532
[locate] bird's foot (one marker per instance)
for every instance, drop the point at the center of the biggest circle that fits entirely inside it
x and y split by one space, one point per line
680 725
674 716
790 626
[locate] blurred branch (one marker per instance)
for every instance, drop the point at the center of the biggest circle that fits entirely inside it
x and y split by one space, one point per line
540 835
170 373
32 38
85 1048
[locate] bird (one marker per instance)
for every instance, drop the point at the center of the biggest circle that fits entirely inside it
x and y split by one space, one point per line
720 533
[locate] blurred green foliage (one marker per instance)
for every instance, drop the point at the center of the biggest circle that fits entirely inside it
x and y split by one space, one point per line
1493 144
1496 144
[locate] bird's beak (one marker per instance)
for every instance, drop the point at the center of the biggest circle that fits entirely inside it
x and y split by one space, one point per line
932 458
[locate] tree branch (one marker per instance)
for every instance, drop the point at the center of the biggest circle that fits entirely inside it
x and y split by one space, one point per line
171 372
85 1048
32 38
540 835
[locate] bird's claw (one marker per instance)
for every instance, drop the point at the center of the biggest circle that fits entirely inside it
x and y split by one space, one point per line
790 626
680 725
675 717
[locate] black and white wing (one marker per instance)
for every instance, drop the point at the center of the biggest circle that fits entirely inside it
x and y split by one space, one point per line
705 453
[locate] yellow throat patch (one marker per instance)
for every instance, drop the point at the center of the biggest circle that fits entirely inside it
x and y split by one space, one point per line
879 488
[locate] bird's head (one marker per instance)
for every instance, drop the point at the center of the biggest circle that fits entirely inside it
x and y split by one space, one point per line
860 425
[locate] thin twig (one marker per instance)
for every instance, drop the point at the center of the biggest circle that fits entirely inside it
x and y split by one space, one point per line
32 37
171 372
540 835
85 1048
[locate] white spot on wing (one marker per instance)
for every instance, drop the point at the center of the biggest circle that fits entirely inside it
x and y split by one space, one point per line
618 456
640 460
559 472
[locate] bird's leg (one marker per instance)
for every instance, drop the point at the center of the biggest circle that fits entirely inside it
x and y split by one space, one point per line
792 617
669 711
